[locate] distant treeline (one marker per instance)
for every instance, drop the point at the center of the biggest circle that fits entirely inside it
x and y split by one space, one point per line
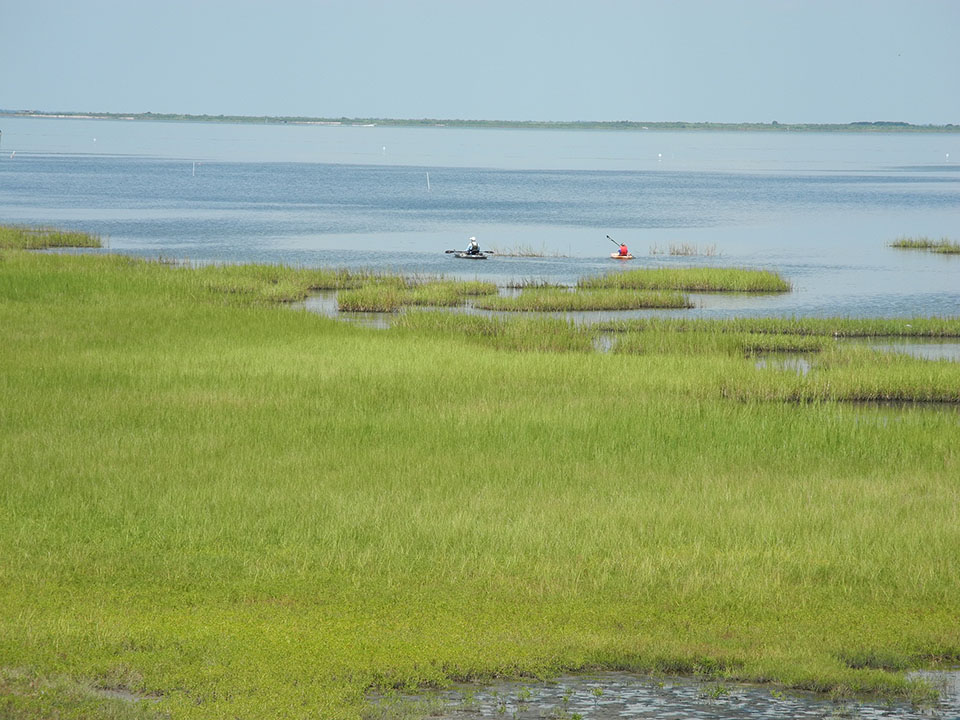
862 126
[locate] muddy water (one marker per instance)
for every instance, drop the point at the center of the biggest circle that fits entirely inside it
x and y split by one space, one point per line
615 695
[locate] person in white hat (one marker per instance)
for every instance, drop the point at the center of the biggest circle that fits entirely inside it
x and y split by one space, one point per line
473 248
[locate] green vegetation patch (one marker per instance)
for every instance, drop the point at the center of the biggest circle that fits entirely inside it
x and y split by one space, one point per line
392 293
440 293
520 333
561 299
693 279
269 284
943 245
24 695
219 509
372 298
665 341
842 327
855 374
39 238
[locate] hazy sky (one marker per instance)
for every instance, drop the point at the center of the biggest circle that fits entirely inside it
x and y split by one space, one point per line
693 60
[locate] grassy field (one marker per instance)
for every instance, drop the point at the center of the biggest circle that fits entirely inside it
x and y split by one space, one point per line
215 506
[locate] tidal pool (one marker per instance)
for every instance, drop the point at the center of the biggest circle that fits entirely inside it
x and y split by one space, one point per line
619 695
325 303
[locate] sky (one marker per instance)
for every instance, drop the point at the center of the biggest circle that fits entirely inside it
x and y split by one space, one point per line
832 61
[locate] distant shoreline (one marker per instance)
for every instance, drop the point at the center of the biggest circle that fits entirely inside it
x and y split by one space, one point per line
625 125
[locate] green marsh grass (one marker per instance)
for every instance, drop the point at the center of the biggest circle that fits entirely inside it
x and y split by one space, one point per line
561 300
707 342
532 284
390 294
943 245
442 293
38 238
525 333
242 511
857 374
919 327
692 279
372 298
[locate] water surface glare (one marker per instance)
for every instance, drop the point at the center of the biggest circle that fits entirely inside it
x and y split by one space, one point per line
617 695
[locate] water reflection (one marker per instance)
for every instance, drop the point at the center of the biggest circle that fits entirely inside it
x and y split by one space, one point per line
782 361
606 696
923 348
325 303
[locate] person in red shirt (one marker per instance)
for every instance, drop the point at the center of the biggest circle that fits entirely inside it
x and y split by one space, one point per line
623 250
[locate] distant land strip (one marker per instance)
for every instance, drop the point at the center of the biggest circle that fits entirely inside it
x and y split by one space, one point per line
774 126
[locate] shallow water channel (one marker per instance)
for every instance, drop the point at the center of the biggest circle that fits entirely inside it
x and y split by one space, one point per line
605 696
325 303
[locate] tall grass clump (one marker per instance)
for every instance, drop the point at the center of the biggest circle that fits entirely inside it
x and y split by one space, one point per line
515 333
943 245
855 374
842 327
448 292
333 278
393 293
531 284
663 340
373 298
563 300
693 279
685 249
257 283
252 283
525 251
39 238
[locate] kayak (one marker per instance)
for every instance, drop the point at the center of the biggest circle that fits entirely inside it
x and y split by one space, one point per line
618 256
468 256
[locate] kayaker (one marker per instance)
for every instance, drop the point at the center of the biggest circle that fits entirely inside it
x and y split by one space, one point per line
473 248
623 250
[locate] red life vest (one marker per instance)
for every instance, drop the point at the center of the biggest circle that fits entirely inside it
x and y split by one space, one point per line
623 250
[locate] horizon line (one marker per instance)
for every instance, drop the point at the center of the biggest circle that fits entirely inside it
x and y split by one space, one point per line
339 120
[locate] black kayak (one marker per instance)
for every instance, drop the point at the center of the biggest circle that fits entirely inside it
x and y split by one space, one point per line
470 256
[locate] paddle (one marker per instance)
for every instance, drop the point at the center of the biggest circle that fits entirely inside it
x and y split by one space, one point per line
613 241
482 252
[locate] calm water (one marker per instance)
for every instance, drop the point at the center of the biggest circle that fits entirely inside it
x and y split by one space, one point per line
819 208
623 696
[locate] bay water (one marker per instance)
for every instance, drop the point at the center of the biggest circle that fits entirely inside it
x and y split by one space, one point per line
820 208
